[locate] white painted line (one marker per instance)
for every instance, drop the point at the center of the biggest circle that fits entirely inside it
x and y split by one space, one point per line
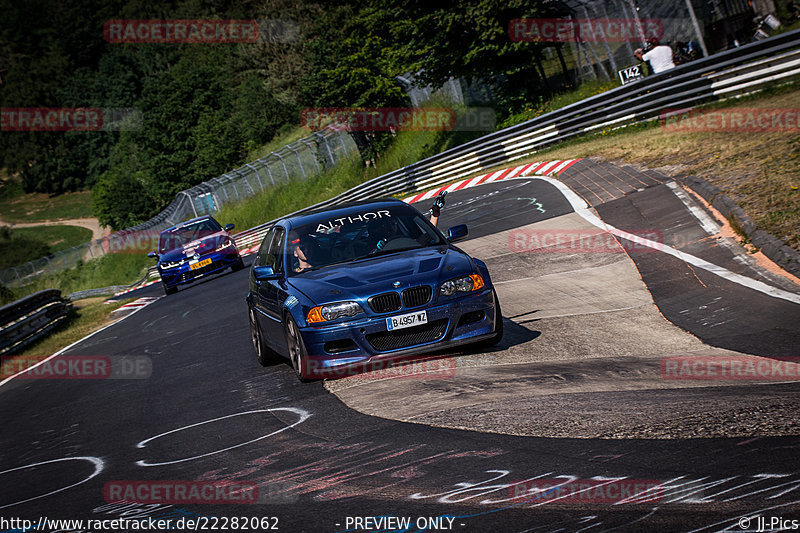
707 223
62 350
582 209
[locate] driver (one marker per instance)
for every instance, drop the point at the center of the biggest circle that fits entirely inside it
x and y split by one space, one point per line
303 252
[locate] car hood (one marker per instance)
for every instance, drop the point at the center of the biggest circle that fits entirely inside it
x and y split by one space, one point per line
202 246
366 277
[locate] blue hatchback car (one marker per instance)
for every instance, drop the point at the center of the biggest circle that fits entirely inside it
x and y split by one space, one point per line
353 286
194 249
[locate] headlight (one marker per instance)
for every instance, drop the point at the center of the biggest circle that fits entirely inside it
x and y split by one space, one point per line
172 264
227 244
325 313
469 283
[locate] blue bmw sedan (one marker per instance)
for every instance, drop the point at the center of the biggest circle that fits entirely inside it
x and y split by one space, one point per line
365 283
194 249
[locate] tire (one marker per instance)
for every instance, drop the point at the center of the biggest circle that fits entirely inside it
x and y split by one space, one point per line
169 290
297 350
265 355
498 326
237 266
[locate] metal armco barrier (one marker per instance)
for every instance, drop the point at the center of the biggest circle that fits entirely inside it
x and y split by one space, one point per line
31 318
731 73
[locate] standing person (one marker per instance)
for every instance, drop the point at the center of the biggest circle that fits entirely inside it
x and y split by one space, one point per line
659 56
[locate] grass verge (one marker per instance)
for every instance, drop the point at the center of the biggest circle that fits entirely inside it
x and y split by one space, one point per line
760 171
111 269
407 148
19 207
56 237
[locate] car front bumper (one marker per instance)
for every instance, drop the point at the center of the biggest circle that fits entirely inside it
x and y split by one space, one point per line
184 274
366 344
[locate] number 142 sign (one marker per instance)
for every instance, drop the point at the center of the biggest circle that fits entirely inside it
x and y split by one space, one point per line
630 74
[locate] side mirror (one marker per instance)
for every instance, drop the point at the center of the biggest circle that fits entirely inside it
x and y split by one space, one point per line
152 254
264 273
229 227
457 232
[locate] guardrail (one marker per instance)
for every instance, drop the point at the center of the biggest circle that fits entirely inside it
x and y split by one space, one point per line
709 79
31 318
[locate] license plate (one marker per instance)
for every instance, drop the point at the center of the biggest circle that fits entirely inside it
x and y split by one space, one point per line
406 321
200 264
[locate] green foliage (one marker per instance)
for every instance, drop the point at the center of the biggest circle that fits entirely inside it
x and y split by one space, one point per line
6 295
16 248
583 91
408 147
206 107
57 237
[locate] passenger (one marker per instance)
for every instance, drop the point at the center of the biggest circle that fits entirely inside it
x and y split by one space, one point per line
436 209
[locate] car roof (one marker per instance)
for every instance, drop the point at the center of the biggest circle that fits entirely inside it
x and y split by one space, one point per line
341 210
190 221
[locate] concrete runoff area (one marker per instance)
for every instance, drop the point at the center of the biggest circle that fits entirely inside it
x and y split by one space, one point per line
584 337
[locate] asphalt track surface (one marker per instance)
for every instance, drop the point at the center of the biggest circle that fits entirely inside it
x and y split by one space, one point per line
206 410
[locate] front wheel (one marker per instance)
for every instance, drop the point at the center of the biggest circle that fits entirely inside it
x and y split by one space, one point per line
265 354
237 266
297 350
169 290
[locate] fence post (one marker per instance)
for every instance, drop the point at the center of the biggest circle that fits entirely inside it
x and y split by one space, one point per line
327 147
282 163
266 165
319 170
255 171
302 170
191 202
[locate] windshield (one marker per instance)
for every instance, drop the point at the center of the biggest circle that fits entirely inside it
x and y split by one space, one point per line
177 237
358 235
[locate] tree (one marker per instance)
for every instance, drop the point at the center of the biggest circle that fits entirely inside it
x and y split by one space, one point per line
351 66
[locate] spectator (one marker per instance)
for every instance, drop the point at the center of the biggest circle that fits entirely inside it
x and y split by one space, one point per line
659 56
